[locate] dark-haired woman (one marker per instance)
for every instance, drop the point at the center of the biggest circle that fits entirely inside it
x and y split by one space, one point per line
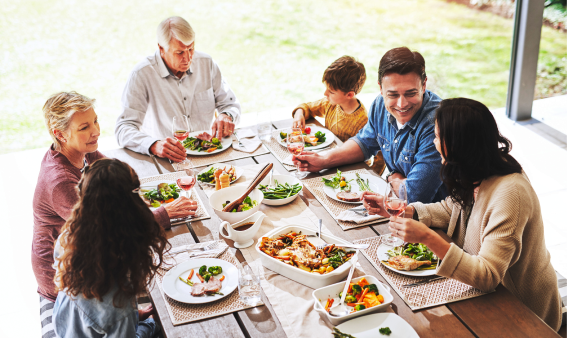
104 256
492 213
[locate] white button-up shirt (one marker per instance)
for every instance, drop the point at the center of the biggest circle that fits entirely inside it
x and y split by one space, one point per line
153 96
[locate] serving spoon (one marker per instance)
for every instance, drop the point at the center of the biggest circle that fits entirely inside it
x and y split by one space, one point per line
340 309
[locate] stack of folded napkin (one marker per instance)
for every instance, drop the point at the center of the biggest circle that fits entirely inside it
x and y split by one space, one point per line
180 254
250 144
351 216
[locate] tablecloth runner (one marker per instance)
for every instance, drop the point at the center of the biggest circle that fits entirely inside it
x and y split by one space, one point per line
316 186
292 302
435 293
225 156
194 196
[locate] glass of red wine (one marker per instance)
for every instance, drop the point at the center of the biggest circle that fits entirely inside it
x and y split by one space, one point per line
186 182
180 127
395 202
295 144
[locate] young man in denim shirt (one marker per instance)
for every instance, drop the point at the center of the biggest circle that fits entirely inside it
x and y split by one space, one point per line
401 124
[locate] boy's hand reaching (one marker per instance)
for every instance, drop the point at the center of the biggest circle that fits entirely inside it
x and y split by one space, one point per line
299 119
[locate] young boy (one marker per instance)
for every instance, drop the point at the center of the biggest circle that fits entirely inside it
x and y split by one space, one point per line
344 114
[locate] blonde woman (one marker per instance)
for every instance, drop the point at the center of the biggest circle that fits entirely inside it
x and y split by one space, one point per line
73 125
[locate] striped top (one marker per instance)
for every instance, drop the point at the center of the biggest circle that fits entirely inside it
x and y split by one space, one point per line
503 242
343 125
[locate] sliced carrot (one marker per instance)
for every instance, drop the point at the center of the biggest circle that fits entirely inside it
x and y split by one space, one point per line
285 258
211 149
170 200
364 293
351 304
190 274
350 288
200 278
222 278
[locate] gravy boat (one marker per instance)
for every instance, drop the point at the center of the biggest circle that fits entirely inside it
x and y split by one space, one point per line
244 238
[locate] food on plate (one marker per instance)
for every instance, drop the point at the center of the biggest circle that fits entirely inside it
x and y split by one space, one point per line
280 191
338 334
348 196
310 140
406 263
338 182
209 175
361 295
385 331
362 185
247 204
411 256
203 142
224 180
164 193
294 249
210 287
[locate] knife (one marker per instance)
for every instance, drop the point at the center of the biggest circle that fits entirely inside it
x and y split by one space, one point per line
423 282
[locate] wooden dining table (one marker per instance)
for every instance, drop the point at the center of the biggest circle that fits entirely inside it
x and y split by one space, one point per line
497 314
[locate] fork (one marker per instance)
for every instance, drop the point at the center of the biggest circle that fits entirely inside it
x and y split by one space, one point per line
205 248
350 246
239 142
362 212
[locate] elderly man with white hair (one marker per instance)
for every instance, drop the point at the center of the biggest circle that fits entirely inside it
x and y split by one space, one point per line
175 81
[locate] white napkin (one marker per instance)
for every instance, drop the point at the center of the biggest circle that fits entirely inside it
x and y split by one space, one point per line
351 216
250 144
215 249
247 132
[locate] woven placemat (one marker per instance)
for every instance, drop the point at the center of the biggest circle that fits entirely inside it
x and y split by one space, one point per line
281 153
435 293
225 156
181 313
316 186
194 196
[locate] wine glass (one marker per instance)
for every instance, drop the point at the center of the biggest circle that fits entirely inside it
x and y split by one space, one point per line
295 145
180 127
395 202
186 182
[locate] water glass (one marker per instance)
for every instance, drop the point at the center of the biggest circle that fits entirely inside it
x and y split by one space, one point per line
264 126
249 285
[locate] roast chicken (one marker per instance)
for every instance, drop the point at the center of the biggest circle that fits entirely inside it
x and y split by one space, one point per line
406 263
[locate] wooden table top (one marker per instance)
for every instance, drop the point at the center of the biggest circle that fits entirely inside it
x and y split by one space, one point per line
498 314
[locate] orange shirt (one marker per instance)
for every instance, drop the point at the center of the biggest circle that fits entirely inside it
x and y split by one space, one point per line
343 125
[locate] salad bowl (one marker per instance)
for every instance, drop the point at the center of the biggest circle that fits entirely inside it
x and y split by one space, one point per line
220 197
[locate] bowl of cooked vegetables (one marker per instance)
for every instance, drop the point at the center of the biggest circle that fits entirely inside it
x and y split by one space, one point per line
284 190
220 198
365 295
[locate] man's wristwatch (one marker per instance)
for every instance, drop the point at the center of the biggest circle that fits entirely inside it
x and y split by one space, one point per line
228 114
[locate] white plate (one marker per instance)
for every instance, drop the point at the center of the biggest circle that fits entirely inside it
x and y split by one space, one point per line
329 138
225 141
369 326
181 292
239 171
153 185
376 184
382 253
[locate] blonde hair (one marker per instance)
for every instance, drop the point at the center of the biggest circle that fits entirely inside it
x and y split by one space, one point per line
174 27
59 110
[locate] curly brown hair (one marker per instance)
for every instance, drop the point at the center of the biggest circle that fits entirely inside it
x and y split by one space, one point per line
345 74
111 237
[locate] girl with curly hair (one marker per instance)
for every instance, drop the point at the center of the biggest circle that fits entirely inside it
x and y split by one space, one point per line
104 257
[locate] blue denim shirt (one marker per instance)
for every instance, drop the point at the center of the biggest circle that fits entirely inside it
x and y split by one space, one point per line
409 151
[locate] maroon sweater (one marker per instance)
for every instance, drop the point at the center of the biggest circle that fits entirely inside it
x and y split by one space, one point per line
53 201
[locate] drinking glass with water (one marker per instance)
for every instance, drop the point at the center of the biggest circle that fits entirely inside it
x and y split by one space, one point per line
264 126
249 285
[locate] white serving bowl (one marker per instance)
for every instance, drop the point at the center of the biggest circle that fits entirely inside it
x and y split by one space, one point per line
282 179
332 291
312 280
219 197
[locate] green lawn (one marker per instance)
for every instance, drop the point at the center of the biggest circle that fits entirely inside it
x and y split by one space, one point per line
272 53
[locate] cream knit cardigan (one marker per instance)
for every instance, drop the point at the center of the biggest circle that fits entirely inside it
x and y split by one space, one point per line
503 243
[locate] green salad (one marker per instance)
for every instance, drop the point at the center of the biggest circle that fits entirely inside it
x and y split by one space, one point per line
164 193
247 204
338 181
193 143
417 251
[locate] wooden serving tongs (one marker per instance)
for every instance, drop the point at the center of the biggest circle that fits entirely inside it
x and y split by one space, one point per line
261 175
